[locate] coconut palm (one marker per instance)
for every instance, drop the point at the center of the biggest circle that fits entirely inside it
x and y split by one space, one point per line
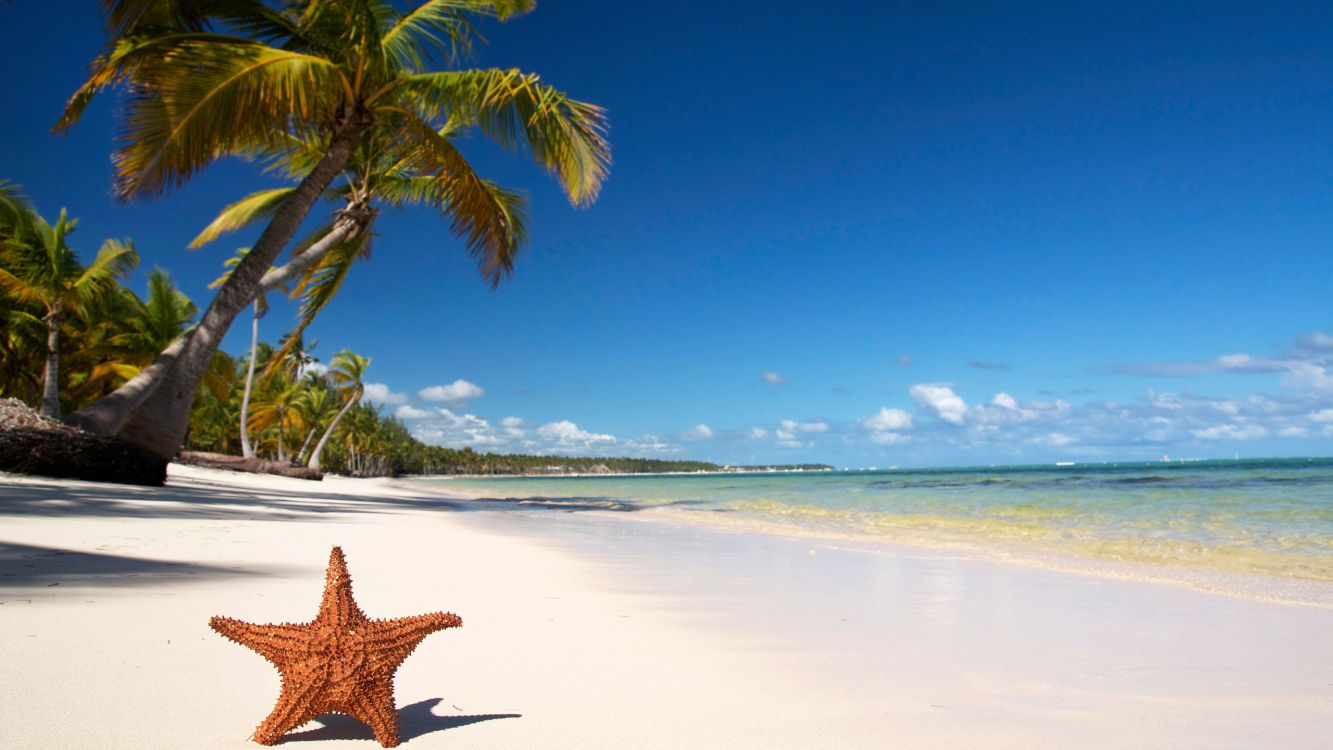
260 306
123 333
275 408
214 78
346 370
37 265
314 407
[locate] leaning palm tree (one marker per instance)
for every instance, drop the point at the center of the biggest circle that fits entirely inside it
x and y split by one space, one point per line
37 265
346 369
213 78
377 175
260 310
314 407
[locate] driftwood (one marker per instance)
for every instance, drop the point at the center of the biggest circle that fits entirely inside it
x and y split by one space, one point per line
75 454
251 465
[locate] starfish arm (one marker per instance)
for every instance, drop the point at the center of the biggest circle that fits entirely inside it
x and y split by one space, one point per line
273 642
374 708
296 705
338 605
389 642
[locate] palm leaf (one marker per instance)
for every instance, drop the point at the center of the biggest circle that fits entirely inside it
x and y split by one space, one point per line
441 26
253 207
204 100
16 211
565 136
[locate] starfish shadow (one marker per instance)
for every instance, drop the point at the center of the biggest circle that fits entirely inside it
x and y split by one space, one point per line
413 721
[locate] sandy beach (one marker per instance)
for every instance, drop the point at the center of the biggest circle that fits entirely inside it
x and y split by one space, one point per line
588 630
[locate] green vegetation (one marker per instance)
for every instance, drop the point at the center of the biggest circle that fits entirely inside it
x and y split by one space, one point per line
346 99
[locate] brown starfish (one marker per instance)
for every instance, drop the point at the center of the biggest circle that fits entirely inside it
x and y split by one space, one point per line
342 662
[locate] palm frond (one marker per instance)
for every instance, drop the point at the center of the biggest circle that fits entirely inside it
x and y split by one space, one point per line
565 136
114 261
253 207
480 214
203 100
16 210
442 27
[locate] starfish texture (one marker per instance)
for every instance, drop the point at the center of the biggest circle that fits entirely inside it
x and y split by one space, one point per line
342 662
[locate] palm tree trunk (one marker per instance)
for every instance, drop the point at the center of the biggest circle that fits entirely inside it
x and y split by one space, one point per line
282 456
109 414
300 455
159 423
51 387
246 449
319 447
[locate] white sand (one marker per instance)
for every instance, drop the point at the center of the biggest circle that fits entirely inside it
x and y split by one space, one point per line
589 631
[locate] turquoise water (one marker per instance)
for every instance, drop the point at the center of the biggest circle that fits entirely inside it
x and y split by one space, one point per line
1270 516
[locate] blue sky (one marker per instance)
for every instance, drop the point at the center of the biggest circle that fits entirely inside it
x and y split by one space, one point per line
872 234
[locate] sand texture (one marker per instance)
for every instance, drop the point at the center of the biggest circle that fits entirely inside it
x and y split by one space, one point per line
584 630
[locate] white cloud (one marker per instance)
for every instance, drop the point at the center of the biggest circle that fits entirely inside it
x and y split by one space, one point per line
566 436
1307 376
1323 415
774 379
512 423
1231 432
379 393
1293 432
1055 439
319 368
885 437
888 419
758 433
949 406
698 432
407 411
454 394
787 428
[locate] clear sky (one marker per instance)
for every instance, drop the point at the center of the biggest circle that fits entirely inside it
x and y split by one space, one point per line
866 234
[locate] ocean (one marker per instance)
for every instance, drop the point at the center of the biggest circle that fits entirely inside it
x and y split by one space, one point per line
1271 516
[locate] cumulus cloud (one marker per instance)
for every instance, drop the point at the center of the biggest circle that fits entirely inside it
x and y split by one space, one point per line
948 406
698 432
1005 408
407 411
379 393
888 419
774 379
565 436
1231 432
758 433
456 393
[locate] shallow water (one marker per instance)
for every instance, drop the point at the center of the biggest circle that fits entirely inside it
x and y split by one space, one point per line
1271 516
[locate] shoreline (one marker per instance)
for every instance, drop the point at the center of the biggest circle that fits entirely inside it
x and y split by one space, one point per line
1248 584
583 630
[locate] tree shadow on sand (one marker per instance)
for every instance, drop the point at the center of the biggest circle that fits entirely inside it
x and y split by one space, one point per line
414 721
24 566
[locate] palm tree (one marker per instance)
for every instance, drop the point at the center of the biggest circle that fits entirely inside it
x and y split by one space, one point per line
313 407
213 79
377 175
260 310
275 408
346 370
40 267
123 333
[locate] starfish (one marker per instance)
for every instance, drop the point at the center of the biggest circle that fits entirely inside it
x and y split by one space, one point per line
342 662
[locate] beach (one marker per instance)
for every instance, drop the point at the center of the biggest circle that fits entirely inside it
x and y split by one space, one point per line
589 629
